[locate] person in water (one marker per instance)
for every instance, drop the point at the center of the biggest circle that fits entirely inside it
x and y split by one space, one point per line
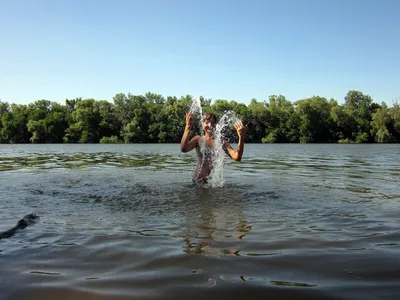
205 146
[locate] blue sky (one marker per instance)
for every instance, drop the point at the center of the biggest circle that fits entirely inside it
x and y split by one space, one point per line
221 49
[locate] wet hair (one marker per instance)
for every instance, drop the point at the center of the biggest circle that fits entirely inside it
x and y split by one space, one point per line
210 117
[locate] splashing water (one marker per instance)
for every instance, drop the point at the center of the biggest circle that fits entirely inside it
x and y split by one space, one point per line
222 132
196 109
225 124
196 106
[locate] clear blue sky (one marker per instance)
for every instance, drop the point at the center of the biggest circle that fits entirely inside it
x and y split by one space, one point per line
221 49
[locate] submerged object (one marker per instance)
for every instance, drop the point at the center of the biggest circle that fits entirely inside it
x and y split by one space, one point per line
23 223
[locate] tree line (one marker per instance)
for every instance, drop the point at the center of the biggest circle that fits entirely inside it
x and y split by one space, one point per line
152 118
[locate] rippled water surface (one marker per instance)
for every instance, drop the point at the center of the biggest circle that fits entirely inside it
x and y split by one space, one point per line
126 222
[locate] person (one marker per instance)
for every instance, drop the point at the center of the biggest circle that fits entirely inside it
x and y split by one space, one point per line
205 146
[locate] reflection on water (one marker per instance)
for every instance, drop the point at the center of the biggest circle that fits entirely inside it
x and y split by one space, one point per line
210 224
125 222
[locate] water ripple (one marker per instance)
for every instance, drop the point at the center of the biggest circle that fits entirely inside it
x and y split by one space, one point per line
125 222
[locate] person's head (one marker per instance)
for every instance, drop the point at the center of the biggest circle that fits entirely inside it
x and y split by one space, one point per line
209 122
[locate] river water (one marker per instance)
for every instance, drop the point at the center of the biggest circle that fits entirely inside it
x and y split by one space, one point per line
126 222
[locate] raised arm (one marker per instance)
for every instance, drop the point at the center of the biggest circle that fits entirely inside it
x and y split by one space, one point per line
236 154
186 143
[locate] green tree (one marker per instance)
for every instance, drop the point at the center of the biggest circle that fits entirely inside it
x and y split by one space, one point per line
153 118
258 117
283 123
84 127
315 120
380 122
359 107
14 124
4 108
47 122
394 126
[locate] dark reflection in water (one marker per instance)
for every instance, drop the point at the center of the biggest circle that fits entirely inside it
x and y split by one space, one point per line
125 222
212 227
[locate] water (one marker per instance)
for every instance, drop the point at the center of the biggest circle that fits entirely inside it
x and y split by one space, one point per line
197 111
224 125
195 108
125 222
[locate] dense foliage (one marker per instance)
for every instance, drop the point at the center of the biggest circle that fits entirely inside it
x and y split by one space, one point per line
153 118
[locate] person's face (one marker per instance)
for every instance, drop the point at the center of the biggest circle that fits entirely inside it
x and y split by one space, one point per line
209 125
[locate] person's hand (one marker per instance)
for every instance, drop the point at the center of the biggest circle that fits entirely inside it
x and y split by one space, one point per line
189 120
239 128
225 143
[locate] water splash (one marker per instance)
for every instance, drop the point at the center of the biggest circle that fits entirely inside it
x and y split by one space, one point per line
197 111
222 133
195 108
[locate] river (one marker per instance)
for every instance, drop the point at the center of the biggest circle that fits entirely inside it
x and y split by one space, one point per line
126 222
